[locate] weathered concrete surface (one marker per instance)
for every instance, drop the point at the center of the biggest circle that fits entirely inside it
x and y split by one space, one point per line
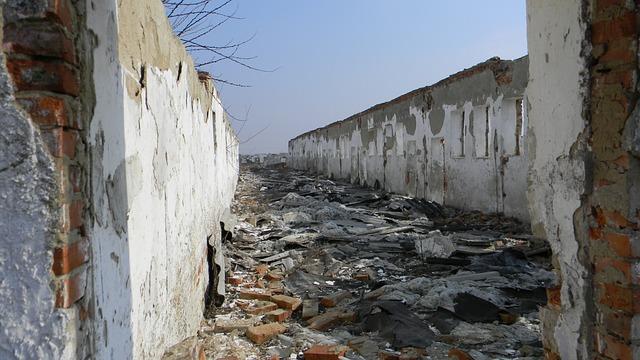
412 144
31 327
165 165
557 91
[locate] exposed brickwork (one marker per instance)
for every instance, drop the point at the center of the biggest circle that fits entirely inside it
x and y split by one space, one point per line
612 222
39 41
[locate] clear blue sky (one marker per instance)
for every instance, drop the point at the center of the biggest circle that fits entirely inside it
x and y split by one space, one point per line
339 57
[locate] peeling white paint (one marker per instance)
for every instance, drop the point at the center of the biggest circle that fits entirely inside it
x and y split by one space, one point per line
556 94
390 153
164 171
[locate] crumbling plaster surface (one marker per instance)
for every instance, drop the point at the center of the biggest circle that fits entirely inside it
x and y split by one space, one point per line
30 326
410 145
165 165
556 93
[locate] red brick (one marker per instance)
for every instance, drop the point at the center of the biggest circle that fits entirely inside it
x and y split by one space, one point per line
70 256
286 302
459 354
624 78
60 142
619 243
76 214
624 267
605 7
618 324
70 290
613 29
260 334
51 76
554 298
46 110
59 11
278 315
616 297
255 294
335 298
325 352
44 40
327 320
613 348
273 276
234 280
261 307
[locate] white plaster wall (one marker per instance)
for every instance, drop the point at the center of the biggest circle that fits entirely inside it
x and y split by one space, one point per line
556 94
414 164
161 182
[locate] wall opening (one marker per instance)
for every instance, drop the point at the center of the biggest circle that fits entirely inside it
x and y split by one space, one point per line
518 125
461 135
486 131
211 297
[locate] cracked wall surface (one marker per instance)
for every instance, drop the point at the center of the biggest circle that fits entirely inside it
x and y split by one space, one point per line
412 144
165 164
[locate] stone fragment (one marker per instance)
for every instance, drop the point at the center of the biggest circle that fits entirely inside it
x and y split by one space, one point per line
435 245
325 352
335 298
229 325
309 308
261 333
278 315
286 302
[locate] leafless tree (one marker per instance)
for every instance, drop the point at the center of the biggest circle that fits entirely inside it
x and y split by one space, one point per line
194 20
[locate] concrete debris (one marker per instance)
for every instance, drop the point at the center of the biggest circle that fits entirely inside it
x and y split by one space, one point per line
435 245
321 269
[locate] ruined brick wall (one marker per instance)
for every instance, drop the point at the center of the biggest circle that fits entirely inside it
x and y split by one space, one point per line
117 165
613 215
40 40
583 177
459 142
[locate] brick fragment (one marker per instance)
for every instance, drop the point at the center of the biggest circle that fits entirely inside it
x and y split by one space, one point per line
330 319
278 315
70 290
69 257
286 302
273 276
261 307
255 294
325 352
335 298
233 280
260 334
459 354
262 269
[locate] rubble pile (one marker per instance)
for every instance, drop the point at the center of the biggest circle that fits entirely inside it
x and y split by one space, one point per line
320 269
